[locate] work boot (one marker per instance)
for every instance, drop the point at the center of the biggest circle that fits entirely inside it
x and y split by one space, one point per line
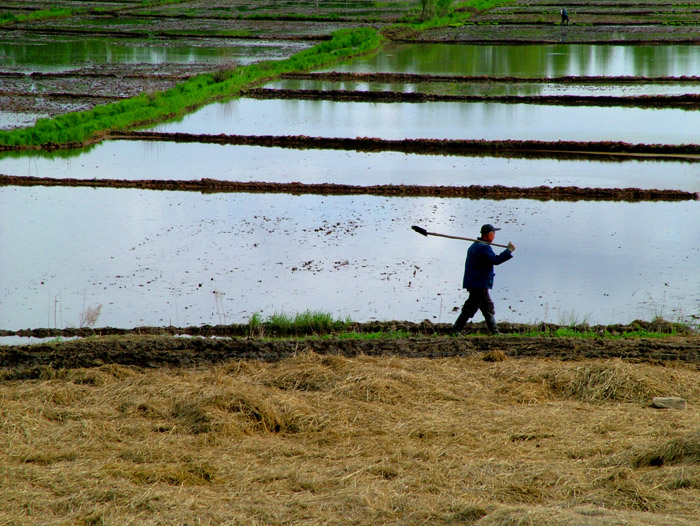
459 324
491 325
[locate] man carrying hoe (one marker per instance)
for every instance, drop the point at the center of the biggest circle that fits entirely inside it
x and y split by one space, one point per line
478 279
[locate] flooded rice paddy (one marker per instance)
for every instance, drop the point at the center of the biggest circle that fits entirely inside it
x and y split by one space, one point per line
188 258
141 160
488 87
440 120
529 60
161 258
54 55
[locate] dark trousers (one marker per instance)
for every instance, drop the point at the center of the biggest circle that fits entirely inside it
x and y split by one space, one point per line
478 299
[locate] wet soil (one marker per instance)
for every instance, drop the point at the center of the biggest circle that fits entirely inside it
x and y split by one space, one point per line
160 349
52 94
687 101
493 192
414 78
506 148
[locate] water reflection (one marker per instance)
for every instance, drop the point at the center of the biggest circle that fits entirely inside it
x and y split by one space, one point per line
163 160
159 257
495 88
538 60
52 55
441 120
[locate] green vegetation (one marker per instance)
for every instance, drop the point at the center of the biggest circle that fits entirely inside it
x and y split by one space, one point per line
151 3
322 324
8 18
568 332
482 5
442 13
149 108
304 323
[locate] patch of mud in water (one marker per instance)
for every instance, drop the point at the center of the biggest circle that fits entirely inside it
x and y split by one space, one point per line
172 258
439 120
169 160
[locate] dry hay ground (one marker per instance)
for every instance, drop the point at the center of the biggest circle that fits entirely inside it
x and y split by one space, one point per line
318 439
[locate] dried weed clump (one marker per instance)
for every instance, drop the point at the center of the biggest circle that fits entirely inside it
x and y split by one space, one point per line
368 440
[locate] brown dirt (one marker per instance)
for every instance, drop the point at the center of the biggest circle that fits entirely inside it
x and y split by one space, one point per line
159 351
494 192
688 101
415 78
193 346
505 148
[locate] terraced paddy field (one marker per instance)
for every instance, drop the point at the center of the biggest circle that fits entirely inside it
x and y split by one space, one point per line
148 373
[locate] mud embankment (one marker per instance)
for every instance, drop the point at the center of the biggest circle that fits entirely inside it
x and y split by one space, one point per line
689 101
616 150
21 362
496 192
414 78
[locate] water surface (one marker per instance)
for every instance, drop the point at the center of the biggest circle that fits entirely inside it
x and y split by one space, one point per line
538 60
440 120
160 258
47 54
187 161
495 88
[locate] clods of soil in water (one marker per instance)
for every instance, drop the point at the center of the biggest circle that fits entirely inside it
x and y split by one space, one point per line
162 258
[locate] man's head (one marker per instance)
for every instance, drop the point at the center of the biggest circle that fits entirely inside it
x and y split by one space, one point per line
488 232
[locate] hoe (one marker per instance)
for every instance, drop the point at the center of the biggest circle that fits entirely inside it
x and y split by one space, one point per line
424 232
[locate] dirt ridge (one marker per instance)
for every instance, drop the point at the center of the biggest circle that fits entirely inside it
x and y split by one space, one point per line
21 362
688 101
426 77
495 192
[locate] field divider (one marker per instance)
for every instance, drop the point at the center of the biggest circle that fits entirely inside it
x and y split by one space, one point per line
494 192
685 101
610 150
426 77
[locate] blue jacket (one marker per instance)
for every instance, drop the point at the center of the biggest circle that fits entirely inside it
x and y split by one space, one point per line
478 269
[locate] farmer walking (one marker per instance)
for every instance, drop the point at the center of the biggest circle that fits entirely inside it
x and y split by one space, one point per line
564 17
478 279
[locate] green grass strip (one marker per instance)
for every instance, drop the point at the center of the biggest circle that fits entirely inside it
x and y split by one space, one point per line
81 127
41 14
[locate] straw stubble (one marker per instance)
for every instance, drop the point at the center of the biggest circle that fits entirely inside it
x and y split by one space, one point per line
334 440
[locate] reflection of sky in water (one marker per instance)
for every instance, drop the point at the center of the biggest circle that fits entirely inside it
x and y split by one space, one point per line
440 120
65 54
163 160
495 89
158 257
549 60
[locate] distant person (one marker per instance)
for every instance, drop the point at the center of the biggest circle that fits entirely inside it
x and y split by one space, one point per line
564 17
478 279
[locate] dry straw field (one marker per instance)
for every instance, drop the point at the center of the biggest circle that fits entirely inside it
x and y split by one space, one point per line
325 439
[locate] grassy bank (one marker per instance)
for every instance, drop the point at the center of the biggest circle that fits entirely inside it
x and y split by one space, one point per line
40 14
80 127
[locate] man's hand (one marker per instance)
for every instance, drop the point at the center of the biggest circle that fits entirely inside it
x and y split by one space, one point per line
511 246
